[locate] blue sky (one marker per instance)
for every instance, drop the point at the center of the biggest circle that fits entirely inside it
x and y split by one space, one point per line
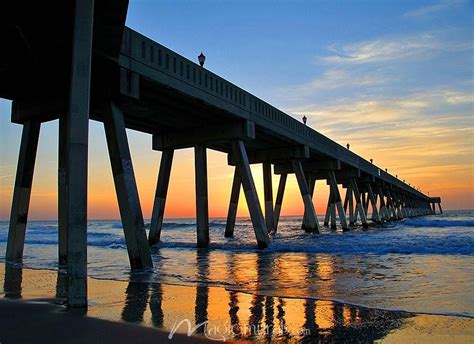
393 78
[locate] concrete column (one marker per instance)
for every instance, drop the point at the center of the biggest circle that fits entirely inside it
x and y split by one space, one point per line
365 202
440 209
434 208
332 212
250 192
77 153
404 206
268 195
383 207
233 204
359 208
202 207
327 216
126 189
62 191
337 200
373 200
22 190
311 185
346 200
308 202
351 205
397 205
279 198
391 205
160 196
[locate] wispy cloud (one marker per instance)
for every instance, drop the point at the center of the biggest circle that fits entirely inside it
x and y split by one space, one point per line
421 45
332 79
437 7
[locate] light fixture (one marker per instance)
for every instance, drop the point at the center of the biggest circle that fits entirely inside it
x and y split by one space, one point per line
305 119
201 59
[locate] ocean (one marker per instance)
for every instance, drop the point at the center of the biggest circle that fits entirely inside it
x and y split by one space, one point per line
421 265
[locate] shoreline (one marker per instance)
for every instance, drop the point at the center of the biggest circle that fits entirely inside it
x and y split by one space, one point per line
245 316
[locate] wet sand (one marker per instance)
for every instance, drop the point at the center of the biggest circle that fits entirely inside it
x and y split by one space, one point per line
145 312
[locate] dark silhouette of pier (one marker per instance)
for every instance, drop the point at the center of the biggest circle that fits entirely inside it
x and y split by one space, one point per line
86 64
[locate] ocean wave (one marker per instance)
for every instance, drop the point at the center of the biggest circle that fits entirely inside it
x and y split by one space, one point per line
438 223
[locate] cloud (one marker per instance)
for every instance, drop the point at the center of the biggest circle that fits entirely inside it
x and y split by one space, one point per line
334 79
421 45
430 9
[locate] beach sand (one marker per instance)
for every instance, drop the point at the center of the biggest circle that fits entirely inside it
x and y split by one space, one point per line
33 311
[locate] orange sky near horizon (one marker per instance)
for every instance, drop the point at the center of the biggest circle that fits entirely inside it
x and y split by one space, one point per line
453 183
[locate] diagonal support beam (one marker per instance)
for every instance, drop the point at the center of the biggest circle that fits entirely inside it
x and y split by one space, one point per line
22 190
160 197
383 207
391 205
233 204
350 199
259 226
327 217
359 207
308 202
279 198
311 186
337 200
373 201
126 189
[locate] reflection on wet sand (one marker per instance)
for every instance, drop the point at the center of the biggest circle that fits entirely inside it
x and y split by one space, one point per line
230 313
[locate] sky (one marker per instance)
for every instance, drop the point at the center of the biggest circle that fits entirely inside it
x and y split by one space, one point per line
392 78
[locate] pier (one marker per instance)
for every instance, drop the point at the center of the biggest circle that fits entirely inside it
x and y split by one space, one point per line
87 64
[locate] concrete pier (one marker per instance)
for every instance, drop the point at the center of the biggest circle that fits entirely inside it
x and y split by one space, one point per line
142 85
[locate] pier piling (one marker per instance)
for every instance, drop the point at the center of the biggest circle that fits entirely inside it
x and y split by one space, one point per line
162 185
